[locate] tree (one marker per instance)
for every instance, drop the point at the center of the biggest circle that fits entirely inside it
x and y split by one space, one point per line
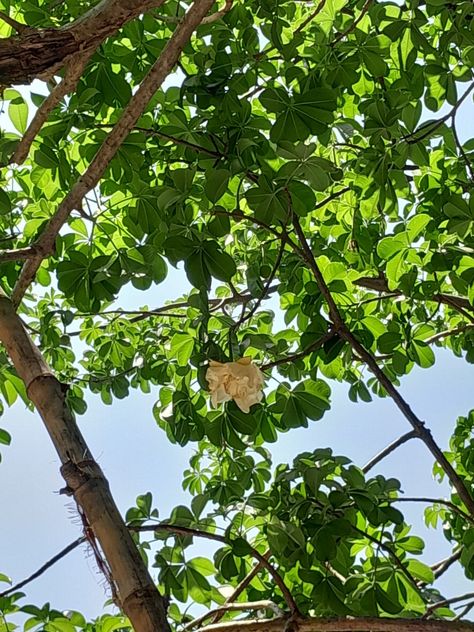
289 161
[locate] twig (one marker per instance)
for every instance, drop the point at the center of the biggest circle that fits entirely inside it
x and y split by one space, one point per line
310 17
59 556
388 450
442 566
391 553
380 284
439 501
301 354
130 115
265 604
352 26
17 254
189 531
72 74
243 585
418 426
266 287
432 127
448 332
447 602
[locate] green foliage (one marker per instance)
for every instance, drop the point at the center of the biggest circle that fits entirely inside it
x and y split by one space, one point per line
279 110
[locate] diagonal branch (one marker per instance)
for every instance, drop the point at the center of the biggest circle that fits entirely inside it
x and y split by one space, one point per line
262 559
73 73
42 569
418 426
135 108
388 450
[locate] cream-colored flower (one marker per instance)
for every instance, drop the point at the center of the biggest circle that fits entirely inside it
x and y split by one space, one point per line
241 381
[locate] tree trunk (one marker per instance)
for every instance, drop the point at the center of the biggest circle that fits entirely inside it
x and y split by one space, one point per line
136 591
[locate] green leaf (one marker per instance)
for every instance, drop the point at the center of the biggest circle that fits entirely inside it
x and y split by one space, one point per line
18 113
216 184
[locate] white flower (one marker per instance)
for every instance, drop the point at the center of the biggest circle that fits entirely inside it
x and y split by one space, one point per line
241 381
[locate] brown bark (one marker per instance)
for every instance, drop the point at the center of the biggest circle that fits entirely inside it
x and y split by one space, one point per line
136 591
359 624
135 108
39 53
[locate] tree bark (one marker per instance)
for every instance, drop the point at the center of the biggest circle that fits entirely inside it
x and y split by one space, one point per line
138 596
39 53
358 624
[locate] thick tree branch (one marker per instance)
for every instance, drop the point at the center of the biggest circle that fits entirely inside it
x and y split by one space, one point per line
359 624
150 84
39 53
418 426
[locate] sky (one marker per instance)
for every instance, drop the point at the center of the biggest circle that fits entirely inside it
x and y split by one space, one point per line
136 457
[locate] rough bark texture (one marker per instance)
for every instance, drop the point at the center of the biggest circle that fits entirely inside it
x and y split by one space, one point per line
136 106
137 593
359 624
39 53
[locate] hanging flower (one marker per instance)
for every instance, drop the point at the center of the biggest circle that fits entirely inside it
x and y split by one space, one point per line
241 381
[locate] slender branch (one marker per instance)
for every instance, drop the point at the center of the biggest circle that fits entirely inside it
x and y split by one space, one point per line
380 284
447 602
130 115
243 585
388 450
434 125
310 17
47 565
441 567
464 156
17 254
448 332
439 501
331 197
353 25
266 287
301 354
73 73
265 604
391 553
418 426
189 531
358 624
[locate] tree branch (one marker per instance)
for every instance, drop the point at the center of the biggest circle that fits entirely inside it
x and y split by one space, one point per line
447 602
189 531
418 426
40 53
359 624
73 73
439 501
380 284
353 25
227 607
301 354
135 108
42 569
388 450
